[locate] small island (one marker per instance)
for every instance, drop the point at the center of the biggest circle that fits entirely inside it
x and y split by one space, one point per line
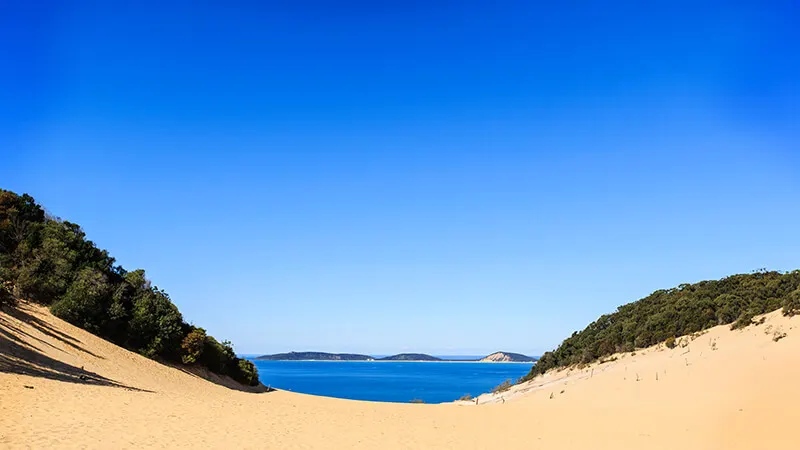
315 356
508 357
411 357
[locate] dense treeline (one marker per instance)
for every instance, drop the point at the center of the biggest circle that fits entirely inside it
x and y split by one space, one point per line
50 262
687 309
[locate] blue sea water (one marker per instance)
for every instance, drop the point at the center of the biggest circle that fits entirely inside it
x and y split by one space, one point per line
432 382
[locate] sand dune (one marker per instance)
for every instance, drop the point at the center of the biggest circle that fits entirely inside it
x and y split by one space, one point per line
723 390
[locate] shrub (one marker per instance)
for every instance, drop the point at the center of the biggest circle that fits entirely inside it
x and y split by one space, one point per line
46 270
192 345
246 373
743 321
791 305
86 300
5 297
417 400
502 387
627 347
680 311
670 342
218 357
156 325
50 261
729 308
466 397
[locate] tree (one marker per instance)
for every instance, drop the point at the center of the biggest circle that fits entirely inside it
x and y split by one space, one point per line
791 306
155 326
86 301
18 214
46 266
51 262
5 297
193 345
679 311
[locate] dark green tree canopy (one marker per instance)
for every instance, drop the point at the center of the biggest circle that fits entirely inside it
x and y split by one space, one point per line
679 311
50 262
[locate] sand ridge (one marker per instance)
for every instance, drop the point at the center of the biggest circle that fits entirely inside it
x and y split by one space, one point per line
721 390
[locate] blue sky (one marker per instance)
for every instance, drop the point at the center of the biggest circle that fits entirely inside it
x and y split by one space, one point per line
459 178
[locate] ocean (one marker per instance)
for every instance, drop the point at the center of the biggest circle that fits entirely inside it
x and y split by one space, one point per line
431 382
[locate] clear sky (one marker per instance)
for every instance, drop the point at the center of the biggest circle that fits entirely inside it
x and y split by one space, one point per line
363 177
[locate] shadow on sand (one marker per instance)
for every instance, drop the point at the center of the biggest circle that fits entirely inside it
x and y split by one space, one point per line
20 353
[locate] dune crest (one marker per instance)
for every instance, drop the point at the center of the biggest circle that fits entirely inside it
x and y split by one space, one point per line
61 386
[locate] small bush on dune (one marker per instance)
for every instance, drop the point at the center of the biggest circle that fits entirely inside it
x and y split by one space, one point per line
466 397
627 347
670 342
417 400
246 373
220 358
502 387
5 297
791 305
745 320
192 345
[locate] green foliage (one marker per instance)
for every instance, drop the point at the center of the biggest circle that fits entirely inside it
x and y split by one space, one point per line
745 319
791 305
5 297
217 356
670 342
155 325
502 387
247 373
680 311
19 215
86 301
466 397
46 264
50 261
192 345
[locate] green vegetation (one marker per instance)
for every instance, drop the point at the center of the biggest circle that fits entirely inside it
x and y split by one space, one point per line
316 356
680 311
466 398
193 345
791 305
50 262
410 357
502 387
5 297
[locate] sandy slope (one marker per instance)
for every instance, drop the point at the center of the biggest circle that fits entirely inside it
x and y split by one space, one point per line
725 390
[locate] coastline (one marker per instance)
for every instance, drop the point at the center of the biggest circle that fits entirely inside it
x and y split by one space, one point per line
650 391
399 361
393 361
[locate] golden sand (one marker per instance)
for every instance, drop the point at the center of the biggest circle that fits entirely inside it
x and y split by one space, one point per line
723 390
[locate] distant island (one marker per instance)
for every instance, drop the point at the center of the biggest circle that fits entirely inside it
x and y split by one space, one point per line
508 357
323 356
315 356
411 357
